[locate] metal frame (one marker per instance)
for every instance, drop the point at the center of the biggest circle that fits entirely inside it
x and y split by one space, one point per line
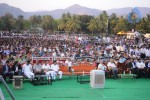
7 88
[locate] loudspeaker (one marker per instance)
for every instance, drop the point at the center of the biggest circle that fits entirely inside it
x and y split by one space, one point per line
17 82
97 78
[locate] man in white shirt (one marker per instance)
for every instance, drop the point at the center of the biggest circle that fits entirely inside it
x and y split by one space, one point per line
47 70
27 70
141 66
112 66
101 66
68 63
38 68
55 68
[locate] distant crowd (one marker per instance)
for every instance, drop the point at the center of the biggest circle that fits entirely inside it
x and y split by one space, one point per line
119 49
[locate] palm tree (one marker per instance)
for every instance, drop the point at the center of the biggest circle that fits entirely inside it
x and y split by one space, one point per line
92 25
73 24
47 22
102 22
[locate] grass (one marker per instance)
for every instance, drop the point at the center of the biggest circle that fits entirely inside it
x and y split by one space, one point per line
69 89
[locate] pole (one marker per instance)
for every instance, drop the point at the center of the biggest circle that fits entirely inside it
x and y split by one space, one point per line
7 88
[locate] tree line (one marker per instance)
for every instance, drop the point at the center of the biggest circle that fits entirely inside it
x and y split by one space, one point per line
74 23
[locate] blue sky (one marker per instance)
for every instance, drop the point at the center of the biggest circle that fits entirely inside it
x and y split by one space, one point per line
36 5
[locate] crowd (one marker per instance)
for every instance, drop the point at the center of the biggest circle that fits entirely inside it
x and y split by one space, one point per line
132 54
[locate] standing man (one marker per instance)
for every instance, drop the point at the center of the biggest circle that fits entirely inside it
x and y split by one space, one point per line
69 64
55 68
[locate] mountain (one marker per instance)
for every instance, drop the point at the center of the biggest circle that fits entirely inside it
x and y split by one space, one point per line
74 9
5 8
125 11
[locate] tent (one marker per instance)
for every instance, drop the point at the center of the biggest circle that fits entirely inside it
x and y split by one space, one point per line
121 33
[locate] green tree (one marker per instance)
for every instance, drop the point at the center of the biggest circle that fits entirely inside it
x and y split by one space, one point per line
113 20
35 21
19 23
121 25
92 25
84 20
8 22
26 24
47 23
62 22
102 22
73 24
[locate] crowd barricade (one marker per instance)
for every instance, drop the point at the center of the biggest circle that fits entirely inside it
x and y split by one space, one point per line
40 59
83 65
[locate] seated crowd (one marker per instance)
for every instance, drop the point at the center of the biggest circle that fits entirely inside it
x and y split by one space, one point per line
112 54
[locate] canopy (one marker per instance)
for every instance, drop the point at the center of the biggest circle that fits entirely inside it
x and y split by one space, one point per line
121 33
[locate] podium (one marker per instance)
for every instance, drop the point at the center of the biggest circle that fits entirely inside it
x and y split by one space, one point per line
97 79
17 82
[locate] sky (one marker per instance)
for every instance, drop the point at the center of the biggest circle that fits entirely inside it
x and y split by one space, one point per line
39 5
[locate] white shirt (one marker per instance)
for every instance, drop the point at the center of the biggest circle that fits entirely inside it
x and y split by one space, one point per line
148 64
37 67
140 65
62 55
68 63
112 65
102 67
55 67
27 68
148 52
137 52
47 66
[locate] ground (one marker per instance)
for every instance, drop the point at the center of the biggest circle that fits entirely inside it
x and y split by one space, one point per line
69 89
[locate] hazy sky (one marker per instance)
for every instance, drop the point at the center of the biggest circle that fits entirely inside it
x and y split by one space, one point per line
36 5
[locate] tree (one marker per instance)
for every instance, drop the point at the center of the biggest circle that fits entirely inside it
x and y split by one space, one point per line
47 22
121 25
26 24
148 23
73 24
84 20
62 22
8 22
20 22
92 25
35 21
113 20
102 22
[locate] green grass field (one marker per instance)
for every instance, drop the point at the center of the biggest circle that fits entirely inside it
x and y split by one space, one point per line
69 89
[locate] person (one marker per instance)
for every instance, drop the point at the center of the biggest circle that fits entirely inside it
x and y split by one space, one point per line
140 68
131 66
27 70
16 68
37 68
68 63
112 66
147 68
6 71
56 69
101 66
47 70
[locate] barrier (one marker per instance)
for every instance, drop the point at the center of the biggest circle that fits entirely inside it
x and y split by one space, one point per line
34 59
7 88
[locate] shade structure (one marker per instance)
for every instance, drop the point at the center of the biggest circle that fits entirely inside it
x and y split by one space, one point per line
121 33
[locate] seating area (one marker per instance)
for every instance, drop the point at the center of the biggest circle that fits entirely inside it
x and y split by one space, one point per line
78 69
